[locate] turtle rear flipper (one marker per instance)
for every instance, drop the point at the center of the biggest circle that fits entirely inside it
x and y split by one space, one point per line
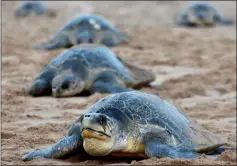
154 148
223 148
216 153
53 45
142 76
203 140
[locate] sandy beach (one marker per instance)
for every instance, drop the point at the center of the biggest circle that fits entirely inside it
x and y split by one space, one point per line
195 71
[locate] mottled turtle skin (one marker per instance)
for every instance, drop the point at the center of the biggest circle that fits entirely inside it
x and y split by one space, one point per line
133 123
85 29
201 14
28 8
91 68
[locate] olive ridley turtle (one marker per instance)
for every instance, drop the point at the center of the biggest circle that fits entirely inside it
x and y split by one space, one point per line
91 68
133 123
85 29
201 14
33 7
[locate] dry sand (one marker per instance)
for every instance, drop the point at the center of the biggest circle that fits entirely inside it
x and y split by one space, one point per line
195 69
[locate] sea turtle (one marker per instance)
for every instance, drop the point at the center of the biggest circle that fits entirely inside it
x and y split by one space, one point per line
201 14
33 7
91 68
134 124
85 29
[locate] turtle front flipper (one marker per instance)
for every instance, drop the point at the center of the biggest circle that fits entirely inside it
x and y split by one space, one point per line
155 148
182 20
106 87
53 45
111 38
108 82
40 87
218 18
142 77
122 37
61 149
226 22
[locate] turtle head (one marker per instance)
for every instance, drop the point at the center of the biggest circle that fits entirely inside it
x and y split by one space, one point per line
99 133
84 37
67 85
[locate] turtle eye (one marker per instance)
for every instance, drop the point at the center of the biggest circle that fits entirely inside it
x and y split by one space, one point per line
90 40
72 82
102 120
65 84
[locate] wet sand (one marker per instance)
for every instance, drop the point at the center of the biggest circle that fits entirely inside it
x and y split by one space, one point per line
195 70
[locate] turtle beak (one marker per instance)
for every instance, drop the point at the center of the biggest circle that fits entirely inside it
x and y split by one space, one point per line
93 122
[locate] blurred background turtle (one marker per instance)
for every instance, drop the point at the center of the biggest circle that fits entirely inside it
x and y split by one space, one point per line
91 68
85 29
201 14
39 8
